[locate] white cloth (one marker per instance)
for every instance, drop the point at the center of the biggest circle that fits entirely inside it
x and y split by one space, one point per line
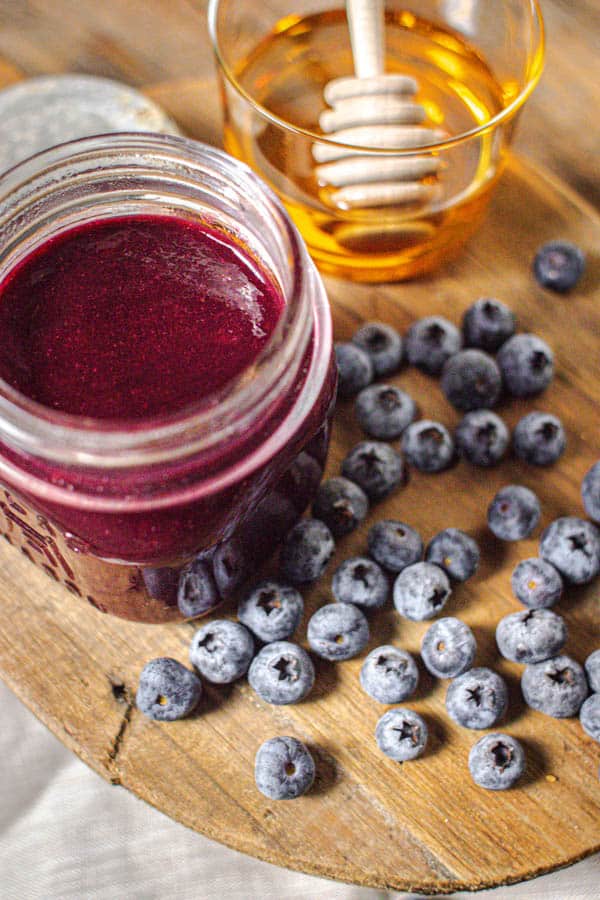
65 834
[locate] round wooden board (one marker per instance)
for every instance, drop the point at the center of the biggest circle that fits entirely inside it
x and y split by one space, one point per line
422 826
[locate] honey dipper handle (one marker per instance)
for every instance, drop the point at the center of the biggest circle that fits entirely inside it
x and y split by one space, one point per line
366 24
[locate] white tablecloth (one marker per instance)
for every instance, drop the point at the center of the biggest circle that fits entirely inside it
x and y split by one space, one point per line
65 834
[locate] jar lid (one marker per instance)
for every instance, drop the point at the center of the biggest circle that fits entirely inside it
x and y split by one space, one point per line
41 112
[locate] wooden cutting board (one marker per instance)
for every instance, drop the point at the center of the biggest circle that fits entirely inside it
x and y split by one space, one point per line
424 825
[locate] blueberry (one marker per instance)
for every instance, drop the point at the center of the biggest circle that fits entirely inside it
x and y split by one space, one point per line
531 636
355 369
430 342
341 504
389 675
361 581
231 565
383 345
477 699
558 266
590 492
222 651
306 551
401 734
384 411
421 591
394 544
527 365
471 379
375 467
536 583
197 591
167 690
272 611
513 513
556 686
338 631
281 673
539 439
481 438
283 768
487 324
455 552
572 545
592 670
589 716
428 446
496 761
448 648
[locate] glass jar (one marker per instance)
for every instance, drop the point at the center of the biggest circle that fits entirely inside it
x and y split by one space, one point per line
116 512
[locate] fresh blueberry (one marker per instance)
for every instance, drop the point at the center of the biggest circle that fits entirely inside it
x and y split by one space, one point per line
481 437
471 379
455 552
531 636
556 686
338 631
513 513
341 504
197 591
281 673
428 446
401 734
592 670
590 492
430 342
222 651
231 565
421 591
355 369
487 324
527 365
558 266
536 583
539 439
375 467
389 674
272 611
477 699
305 551
361 581
384 411
383 345
572 545
448 648
283 768
394 544
167 690
496 761
589 716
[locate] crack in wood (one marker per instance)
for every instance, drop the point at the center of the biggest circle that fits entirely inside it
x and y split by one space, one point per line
122 695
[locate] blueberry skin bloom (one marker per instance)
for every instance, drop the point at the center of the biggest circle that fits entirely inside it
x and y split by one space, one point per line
572 546
167 690
496 761
428 446
355 369
487 324
282 673
384 411
272 611
455 552
421 591
590 492
222 651
197 591
401 734
592 670
589 716
338 631
448 648
306 551
557 687
283 768
389 674
375 467
531 636
430 342
382 344
482 438
477 699
394 544
527 365
539 439
341 504
536 583
471 379
513 513
558 266
360 581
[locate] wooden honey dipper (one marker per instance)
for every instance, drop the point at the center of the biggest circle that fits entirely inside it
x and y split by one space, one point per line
374 109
